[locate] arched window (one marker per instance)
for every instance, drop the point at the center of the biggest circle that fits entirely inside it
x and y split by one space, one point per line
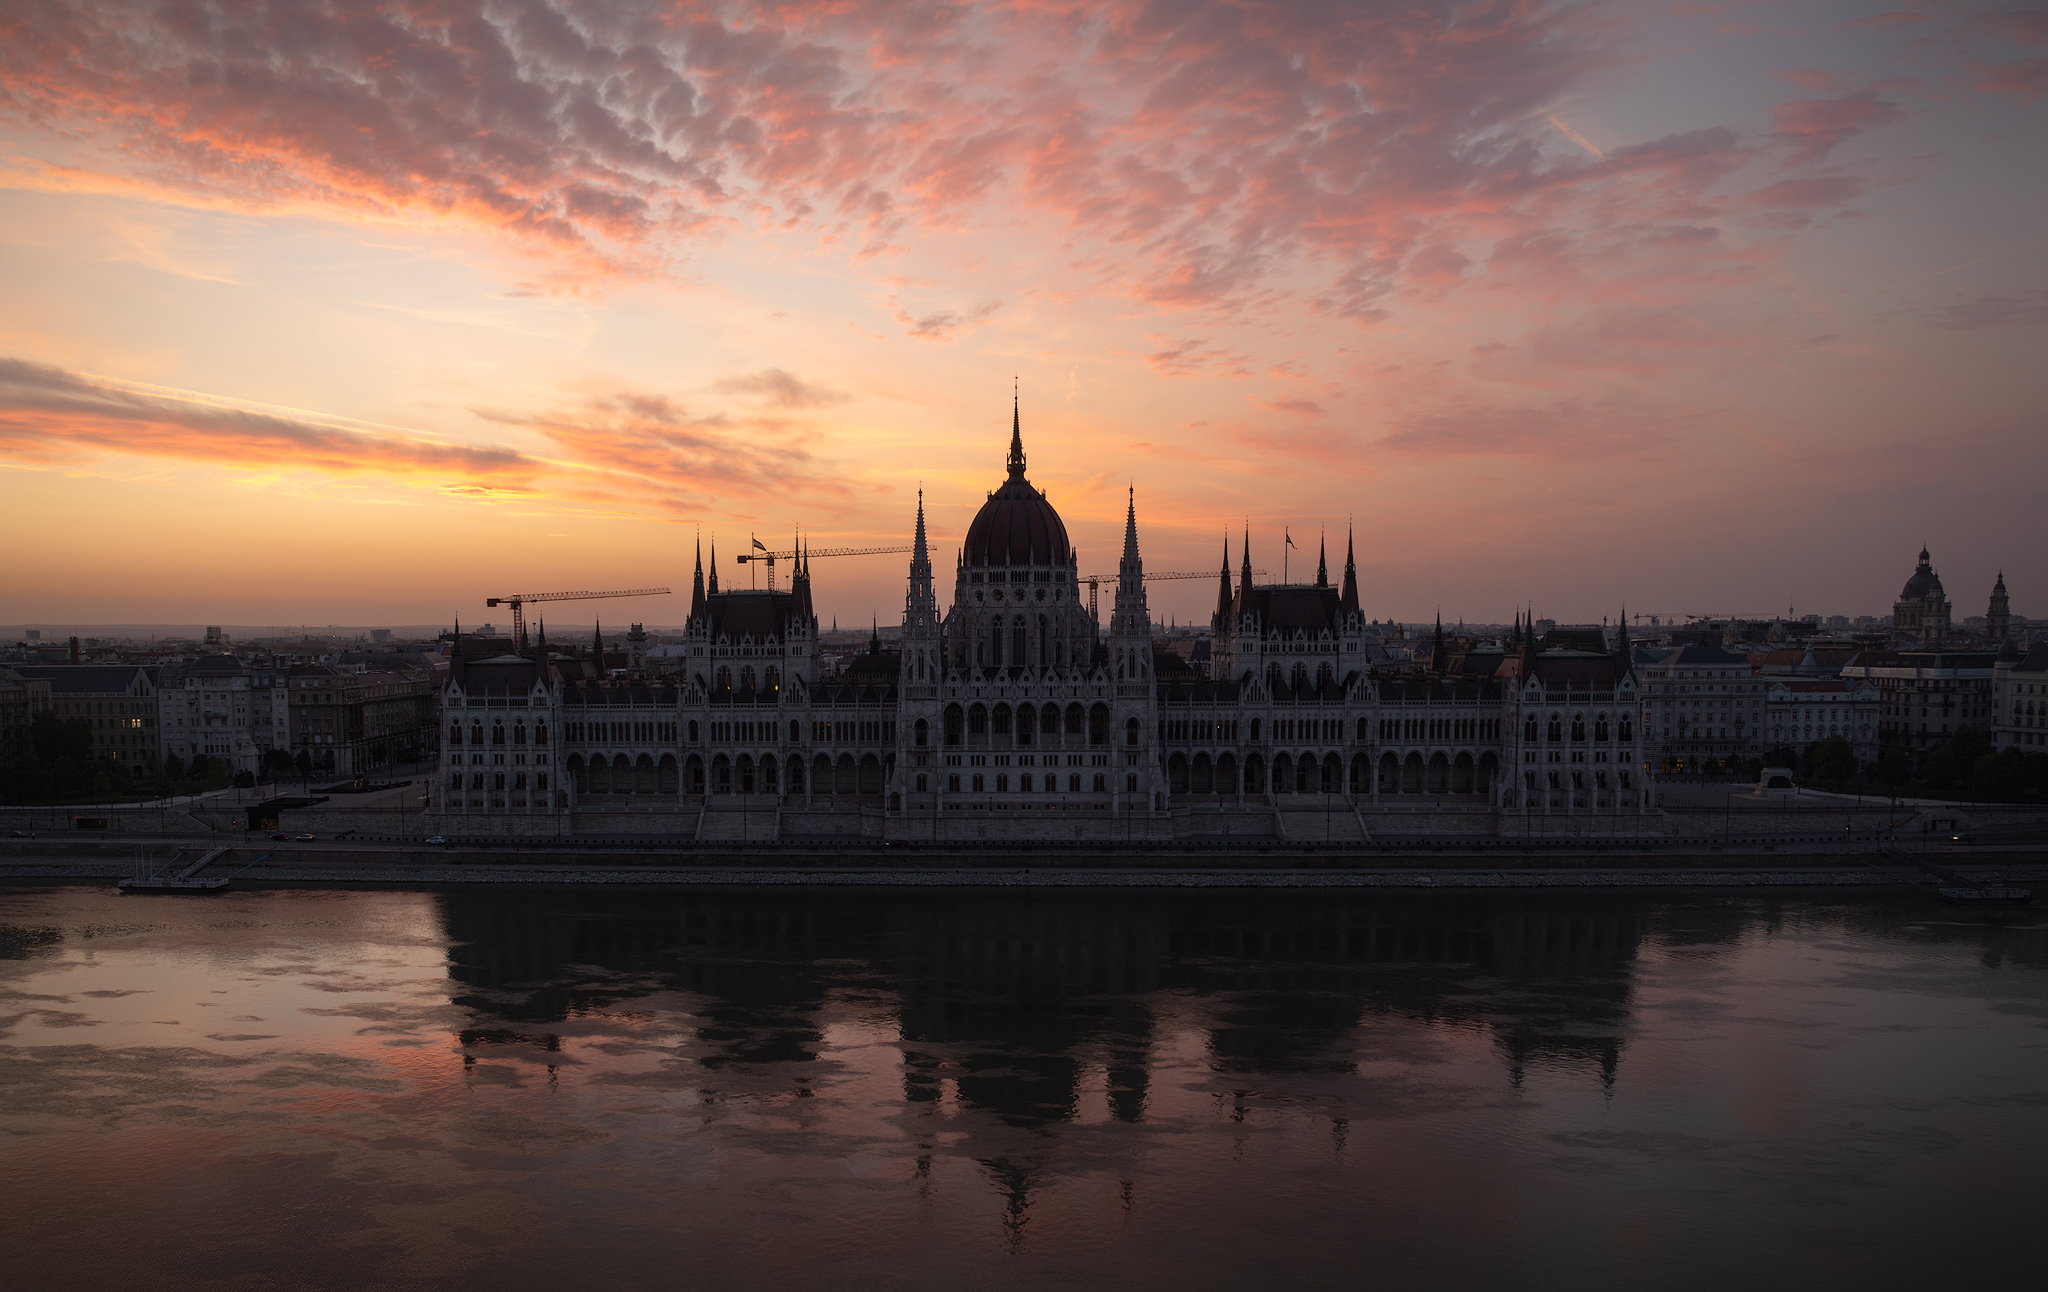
476 733
977 721
1001 725
1578 727
1255 728
540 733
1556 728
747 678
1299 677
1131 731
454 733
1600 727
1027 723
773 680
1017 641
724 682
498 732
1627 729
795 732
693 733
922 730
1324 676
519 733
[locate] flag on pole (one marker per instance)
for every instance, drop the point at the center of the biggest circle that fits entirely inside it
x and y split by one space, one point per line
1289 537
758 543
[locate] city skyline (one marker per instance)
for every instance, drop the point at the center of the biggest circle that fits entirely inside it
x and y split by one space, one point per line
1713 309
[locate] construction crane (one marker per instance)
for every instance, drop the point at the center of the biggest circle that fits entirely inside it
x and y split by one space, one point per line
768 558
518 603
1094 582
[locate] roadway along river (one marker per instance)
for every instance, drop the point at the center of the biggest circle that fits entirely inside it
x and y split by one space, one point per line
782 1088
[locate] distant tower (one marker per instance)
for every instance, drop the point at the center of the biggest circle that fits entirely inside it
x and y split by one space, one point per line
636 651
1998 619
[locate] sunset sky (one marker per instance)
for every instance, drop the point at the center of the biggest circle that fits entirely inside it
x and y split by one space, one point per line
362 312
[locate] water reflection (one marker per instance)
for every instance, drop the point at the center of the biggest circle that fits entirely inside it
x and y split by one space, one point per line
1193 1088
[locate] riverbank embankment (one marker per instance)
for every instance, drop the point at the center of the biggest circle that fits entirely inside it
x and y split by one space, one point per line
1091 868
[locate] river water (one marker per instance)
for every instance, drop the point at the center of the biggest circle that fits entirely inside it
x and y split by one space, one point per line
784 1088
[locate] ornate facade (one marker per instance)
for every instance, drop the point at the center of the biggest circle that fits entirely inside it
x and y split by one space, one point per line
1015 714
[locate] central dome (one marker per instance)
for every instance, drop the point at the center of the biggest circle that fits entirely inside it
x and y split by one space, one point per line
1017 526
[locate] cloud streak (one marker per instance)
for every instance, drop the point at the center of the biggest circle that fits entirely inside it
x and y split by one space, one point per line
625 451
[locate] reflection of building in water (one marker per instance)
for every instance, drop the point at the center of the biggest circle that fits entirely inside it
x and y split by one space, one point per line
1302 977
1013 996
1012 999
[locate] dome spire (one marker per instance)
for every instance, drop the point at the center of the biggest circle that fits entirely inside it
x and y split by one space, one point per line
1016 437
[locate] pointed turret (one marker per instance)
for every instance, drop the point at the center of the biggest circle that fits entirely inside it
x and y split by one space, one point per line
697 582
1624 653
1439 652
711 585
1322 562
1349 597
1223 595
1016 440
597 645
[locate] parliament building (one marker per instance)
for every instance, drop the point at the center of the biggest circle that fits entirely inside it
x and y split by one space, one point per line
1013 713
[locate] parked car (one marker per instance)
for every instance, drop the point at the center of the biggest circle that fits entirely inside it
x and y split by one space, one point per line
437 839
279 837
303 838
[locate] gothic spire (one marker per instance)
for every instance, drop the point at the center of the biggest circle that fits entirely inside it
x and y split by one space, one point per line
1016 440
1349 596
1322 562
697 582
1129 566
712 587
597 645
1223 596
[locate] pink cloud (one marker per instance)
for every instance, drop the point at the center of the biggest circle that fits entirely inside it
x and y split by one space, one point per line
1814 127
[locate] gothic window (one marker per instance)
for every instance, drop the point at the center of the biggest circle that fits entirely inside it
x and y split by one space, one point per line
454 733
977 721
693 733
1627 730
922 730
1299 678
1324 676
1131 732
953 717
476 733
1049 720
498 733
1556 728
1001 725
724 678
773 679
1600 728
1255 728
978 783
1578 727
1027 723
747 678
